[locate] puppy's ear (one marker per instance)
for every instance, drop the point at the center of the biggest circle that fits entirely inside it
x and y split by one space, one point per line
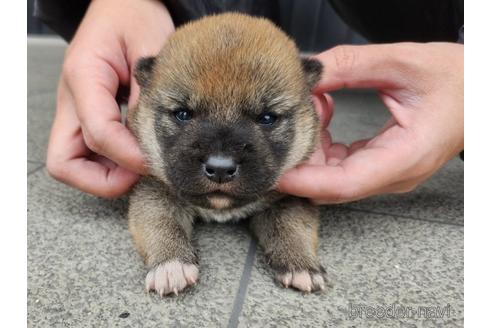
312 70
144 70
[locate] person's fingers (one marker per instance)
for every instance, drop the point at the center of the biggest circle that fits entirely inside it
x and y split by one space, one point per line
325 142
386 67
356 145
328 100
389 123
315 181
336 153
134 94
359 175
95 177
368 66
323 105
94 90
324 108
68 156
65 129
323 146
147 43
318 157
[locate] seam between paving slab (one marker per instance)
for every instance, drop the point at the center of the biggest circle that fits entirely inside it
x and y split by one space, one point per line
400 216
243 286
250 257
35 170
34 162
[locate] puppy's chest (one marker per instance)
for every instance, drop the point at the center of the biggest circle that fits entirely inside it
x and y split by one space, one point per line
233 214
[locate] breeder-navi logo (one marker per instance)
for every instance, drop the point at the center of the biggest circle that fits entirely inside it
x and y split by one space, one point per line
395 311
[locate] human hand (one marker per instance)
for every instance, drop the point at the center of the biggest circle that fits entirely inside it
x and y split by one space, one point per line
90 148
422 87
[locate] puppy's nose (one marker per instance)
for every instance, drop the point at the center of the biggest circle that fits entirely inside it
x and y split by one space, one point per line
220 169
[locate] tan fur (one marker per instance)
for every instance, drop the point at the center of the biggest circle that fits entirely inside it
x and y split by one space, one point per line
153 224
223 63
144 117
218 57
291 223
218 44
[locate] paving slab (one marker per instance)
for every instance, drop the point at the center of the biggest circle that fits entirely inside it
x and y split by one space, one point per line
40 113
395 249
83 270
374 261
359 114
33 166
441 198
44 62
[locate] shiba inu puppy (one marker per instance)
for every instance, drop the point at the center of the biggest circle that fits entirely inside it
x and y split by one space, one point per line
224 110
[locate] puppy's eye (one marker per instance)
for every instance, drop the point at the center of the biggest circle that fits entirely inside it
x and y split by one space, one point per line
266 119
183 115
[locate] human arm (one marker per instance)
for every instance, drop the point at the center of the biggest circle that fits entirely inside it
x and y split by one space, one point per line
421 84
90 148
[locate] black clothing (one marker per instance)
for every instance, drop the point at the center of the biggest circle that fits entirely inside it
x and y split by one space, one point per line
384 21
308 22
62 16
311 23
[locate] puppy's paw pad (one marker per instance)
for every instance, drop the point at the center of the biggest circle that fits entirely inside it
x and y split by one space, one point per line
302 280
171 277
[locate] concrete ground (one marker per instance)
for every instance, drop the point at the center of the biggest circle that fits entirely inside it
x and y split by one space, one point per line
394 261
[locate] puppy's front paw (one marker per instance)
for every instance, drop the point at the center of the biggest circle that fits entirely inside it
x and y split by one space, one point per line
171 277
304 281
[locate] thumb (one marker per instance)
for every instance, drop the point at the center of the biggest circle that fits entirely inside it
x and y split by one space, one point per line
369 66
368 171
316 182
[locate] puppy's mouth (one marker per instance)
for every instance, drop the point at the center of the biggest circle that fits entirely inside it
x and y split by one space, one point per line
223 190
218 199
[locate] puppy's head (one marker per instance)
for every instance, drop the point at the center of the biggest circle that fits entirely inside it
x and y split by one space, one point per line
225 109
